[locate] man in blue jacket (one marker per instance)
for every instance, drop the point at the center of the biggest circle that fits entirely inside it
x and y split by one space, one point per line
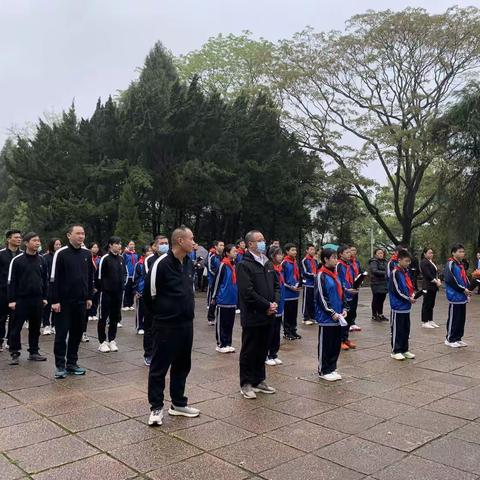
130 258
458 295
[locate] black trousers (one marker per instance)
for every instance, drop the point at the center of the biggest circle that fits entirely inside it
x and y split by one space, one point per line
290 317
329 341
211 307
378 299
28 309
274 344
110 308
225 318
68 323
92 311
4 313
48 317
140 314
428 305
308 306
350 318
172 349
400 331
147 336
128 293
457 314
255 342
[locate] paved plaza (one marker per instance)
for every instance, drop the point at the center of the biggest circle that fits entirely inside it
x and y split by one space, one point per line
386 420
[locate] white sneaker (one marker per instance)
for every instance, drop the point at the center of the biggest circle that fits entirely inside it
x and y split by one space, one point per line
237 310
434 325
141 332
231 349
222 349
462 343
184 411
308 322
278 361
113 346
90 319
104 348
452 344
156 417
331 377
271 362
132 308
125 309
85 338
119 325
52 329
409 355
47 330
355 328
427 325
338 375
95 318
398 356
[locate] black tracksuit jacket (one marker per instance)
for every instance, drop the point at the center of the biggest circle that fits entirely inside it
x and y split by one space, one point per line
27 278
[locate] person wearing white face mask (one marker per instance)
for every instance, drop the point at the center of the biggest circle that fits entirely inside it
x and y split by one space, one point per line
259 295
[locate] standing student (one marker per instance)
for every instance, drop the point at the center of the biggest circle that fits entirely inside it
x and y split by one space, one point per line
356 270
48 320
213 263
430 283
401 292
274 344
259 294
309 273
138 288
377 267
159 248
477 267
240 245
291 274
345 276
169 296
71 293
27 296
110 282
96 257
130 258
393 262
329 310
225 298
458 295
14 240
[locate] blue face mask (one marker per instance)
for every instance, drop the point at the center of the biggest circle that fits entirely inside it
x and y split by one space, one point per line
162 249
261 247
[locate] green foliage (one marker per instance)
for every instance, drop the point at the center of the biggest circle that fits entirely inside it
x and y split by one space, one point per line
128 224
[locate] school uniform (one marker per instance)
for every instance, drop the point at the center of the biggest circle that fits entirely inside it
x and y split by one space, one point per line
225 297
400 290
429 277
6 256
329 299
309 273
240 254
456 282
48 318
345 277
274 345
213 264
92 312
138 287
27 287
147 315
110 282
130 259
291 274
352 311
392 263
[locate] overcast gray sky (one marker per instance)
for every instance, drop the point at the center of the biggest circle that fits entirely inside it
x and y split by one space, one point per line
56 51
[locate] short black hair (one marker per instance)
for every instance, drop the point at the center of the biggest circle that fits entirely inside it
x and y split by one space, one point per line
113 240
272 251
11 232
144 249
228 249
456 247
72 226
216 242
289 246
404 254
342 248
28 236
309 245
240 240
326 254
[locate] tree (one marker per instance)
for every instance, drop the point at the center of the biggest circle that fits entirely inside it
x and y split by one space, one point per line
128 225
372 94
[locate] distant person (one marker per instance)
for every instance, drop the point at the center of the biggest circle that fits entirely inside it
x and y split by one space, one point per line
353 306
377 267
48 320
291 274
240 246
431 284
130 258
138 289
309 273
213 263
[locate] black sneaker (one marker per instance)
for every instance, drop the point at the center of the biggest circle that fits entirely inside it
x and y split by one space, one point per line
289 337
15 359
296 336
377 318
76 370
36 357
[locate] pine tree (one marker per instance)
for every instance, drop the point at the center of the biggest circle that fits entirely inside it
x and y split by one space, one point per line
128 224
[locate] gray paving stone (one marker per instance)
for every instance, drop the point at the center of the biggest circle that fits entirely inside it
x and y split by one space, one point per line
89 418
9 471
302 407
16 415
29 434
430 421
456 408
345 420
379 407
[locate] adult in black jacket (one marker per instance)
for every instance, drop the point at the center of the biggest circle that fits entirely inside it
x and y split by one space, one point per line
14 240
430 283
48 318
259 294
169 297
378 266
71 293
110 281
27 295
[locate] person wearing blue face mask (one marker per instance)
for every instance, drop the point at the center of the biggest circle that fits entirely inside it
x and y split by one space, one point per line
259 296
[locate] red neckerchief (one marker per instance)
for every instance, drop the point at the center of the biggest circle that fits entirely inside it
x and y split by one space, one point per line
241 251
355 266
213 251
94 261
228 263
348 275
394 257
296 271
313 265
333 275
279 270
408 280
141 260
461 266
132 256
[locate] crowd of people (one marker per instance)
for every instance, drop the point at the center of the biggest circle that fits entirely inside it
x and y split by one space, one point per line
73 284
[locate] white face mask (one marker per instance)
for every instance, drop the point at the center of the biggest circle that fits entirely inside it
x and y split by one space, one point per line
163 249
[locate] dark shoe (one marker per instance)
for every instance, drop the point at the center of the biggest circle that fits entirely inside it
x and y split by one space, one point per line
147 361
36 357
60 373
383 318
76 370
296 336
377 318
15 359
289 337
